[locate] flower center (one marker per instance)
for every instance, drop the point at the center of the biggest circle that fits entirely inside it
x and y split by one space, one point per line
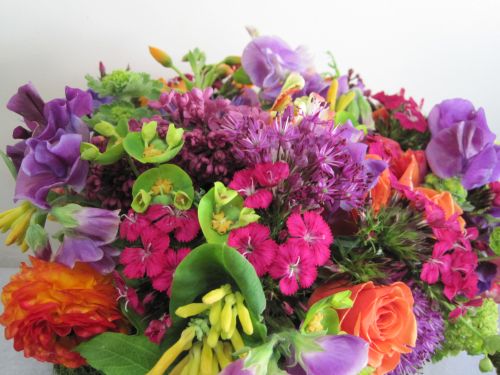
220 223
151 151
162 186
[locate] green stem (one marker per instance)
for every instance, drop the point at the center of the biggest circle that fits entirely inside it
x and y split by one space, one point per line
133 167
188 83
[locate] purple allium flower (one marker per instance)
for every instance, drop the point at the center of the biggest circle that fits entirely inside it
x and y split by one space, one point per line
50 157
87 235
430 334
339 355
268 60
327 164
462 144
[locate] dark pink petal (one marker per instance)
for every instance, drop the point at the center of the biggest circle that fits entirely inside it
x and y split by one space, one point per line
260 199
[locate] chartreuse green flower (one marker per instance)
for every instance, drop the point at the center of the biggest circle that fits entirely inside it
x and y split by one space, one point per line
212 335
322 317
221 210
452 185
147 147
114 147
166 184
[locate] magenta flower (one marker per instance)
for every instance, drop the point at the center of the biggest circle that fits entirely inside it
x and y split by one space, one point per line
128 294
187 225
163 281
148 259
406 111
157 328
293 266
312 233
271 174
255 244
132 225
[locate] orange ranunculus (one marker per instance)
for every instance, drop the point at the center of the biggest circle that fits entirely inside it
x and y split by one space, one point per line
49 309
381 315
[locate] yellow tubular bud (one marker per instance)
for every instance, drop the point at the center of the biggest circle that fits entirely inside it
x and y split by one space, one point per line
222 358
228 351
194 366
243 315
184 343
214 314
179 367
331 96
216 294
215 367
24 247
213 335
232 327
206 359
18 230
345 100
237 341
191 309
227 313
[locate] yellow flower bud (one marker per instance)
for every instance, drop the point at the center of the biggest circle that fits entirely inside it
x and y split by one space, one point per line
237 341
191 309
194 366
161 56
206 359
243 315
232 327
213 335
18 229
215 367
345 100
331 96
227 313
179 367
216 294
215 311
184 343
222 358
228 351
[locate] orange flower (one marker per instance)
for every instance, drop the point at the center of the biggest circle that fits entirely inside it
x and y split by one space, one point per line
445 200
50 309
381 192
381 315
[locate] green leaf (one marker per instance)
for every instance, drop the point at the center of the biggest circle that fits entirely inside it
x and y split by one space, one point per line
208 267
495 241
241 76
106 129
118 354
89 151
10 165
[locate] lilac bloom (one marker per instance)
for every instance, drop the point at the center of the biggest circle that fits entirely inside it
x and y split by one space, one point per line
268 60
50 155
336 355
462 144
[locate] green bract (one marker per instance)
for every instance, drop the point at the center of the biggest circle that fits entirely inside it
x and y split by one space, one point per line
125 84
146 147
221 210
167 184
114 148
206 268
495 240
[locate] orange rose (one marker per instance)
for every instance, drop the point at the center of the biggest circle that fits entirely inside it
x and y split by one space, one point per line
381 315
50 309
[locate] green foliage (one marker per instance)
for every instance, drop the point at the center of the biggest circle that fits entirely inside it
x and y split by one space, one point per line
208 267
495 240
84 370
407 138
9 164
118 354
475 333
117 111
125 84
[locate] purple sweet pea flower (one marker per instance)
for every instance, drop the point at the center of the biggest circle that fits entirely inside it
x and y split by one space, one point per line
337 355
462 144
88 233
268 60
50 155
238 368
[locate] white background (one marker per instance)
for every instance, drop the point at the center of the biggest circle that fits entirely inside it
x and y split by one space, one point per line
435 49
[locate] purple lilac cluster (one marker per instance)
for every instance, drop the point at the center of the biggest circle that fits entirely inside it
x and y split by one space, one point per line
430 335
208 154
327 163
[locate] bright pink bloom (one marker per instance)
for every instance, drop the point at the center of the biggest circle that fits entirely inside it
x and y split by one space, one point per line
244 183
128 294
312 233
271 174
187 227
146 260
260 199
157 328
254 242
293 267
163 281
132 226
462 308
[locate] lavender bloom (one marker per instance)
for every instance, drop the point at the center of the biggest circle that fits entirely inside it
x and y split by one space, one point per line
336 355
50 157
462 144
430 334
88 233
268 60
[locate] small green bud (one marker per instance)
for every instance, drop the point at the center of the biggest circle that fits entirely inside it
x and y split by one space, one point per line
222 194
106 129
232 60
174 136
485 365
148 131
182 200
89 151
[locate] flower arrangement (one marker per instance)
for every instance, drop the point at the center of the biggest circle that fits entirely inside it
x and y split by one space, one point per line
253 217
